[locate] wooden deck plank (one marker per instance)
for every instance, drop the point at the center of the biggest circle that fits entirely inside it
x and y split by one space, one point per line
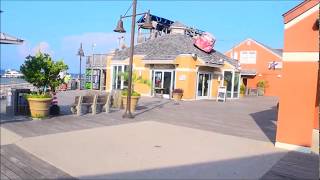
3 176
14 168
295 165
45 169
28 169
9 173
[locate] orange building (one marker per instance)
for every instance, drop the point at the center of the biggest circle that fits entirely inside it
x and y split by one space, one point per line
258 62
298 116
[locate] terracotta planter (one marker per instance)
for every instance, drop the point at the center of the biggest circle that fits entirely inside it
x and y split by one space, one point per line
39 107
134 102
177 96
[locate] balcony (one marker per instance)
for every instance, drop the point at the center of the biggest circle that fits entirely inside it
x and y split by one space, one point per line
99 61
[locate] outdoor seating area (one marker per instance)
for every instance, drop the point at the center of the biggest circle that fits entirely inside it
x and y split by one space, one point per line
93 103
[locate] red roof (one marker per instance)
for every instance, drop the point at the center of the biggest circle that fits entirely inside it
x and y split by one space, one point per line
299 9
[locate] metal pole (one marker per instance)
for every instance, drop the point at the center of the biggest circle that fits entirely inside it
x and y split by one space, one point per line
92 71
128 113
80 74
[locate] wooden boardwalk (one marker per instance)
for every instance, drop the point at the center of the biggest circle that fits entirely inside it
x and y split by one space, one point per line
19 164
295 165
253 118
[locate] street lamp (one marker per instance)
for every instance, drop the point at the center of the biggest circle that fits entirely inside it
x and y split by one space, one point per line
147 25
80 54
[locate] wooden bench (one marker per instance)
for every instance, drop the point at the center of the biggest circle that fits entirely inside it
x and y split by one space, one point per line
76 106
91 102
103 102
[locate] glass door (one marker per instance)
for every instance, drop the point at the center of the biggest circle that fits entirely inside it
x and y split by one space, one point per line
228 83
162 82
203 87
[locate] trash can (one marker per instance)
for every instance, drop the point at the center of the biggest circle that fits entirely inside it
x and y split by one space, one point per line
20 103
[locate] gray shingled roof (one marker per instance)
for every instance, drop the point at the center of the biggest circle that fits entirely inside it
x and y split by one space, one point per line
169 46
277 51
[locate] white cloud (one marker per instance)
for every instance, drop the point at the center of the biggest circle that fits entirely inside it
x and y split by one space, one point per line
43 47
26 49
104 42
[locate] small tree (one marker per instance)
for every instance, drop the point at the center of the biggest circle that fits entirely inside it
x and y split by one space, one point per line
135 80
41 71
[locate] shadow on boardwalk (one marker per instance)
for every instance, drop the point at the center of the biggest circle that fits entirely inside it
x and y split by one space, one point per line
290 166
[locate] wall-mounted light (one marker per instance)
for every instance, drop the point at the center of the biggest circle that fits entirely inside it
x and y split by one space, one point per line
194 56
260 75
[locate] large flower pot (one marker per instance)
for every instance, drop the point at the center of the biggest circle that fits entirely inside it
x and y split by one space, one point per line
39 107
177 96
241 95
134 102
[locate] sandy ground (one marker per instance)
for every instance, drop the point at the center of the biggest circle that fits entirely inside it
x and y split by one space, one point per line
153 150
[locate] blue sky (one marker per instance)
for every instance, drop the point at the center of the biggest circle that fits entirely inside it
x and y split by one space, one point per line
58 27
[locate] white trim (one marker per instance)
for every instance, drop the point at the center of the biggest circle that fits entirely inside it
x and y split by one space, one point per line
301 16
119 63
158 62
292 147
301 56
185 70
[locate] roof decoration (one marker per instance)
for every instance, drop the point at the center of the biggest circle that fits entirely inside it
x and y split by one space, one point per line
205 42
161 23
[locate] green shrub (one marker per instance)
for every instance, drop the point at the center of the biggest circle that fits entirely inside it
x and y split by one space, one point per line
261 84
38 95
125 93
242 89
42 72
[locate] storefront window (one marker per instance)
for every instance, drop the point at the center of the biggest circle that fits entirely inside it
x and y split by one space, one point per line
228 82
236 85
117 81
232 82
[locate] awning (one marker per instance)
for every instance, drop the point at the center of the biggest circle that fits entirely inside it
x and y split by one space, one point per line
248 72
8 39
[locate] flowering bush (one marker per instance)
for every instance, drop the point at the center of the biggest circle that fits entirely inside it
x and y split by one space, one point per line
177 91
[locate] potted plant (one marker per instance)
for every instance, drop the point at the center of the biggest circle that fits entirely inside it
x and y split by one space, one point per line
177 94
261 85
242 90
43 73
135 96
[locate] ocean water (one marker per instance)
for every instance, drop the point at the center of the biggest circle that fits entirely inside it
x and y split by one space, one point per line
11 80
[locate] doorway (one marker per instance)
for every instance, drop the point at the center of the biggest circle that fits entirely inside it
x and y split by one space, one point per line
203 85
162 82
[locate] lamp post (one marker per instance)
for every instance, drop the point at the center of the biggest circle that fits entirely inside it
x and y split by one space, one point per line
80 54
147 24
